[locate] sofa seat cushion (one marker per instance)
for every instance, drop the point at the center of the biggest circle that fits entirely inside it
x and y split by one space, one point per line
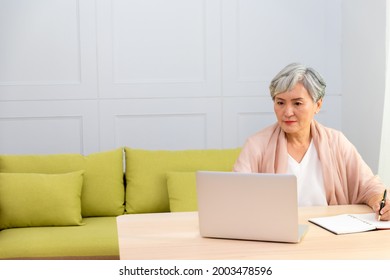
146 173
103 190
97 239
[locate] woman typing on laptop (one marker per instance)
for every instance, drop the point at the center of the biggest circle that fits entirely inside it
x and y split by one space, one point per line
328 167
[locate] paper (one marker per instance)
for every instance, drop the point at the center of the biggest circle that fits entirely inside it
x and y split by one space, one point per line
350 223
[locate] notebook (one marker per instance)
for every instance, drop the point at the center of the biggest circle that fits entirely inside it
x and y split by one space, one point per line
248 206
350 223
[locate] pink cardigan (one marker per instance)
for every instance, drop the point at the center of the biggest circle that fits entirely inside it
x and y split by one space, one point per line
347 178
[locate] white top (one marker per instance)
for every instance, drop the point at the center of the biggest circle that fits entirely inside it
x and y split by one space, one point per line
311 191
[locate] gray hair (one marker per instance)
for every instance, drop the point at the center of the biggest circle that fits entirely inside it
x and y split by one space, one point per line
295 73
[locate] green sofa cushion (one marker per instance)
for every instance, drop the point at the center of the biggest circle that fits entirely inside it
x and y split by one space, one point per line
97 239
103 188
182 191
146 173
32 199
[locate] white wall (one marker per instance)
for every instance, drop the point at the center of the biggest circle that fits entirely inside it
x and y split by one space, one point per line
363 73
85 76
384 157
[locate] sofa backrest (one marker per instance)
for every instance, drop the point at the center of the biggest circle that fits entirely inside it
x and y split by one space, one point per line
147 174
155 180
103 190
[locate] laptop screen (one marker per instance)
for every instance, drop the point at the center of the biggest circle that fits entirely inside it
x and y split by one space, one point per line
251 206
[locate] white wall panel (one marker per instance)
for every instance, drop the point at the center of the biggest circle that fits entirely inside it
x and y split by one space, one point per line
88 75
364 75
245 116
161 124
47 49
152 48
330 114
261 37
48 127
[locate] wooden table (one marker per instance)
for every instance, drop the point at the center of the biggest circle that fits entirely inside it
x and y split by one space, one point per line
175 236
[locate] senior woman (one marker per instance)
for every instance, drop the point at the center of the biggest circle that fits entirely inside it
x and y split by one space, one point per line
328 167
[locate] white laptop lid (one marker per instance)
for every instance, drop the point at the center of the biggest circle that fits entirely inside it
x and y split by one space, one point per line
251 206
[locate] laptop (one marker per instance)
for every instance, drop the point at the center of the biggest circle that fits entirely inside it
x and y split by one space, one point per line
248 206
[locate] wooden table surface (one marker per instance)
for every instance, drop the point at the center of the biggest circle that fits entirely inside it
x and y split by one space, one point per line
176 236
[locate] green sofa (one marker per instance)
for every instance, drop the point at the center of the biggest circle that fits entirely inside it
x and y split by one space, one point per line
65 206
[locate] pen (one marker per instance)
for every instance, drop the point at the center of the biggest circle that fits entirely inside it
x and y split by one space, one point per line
382 204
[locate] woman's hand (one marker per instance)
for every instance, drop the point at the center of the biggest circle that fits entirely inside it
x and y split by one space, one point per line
385 212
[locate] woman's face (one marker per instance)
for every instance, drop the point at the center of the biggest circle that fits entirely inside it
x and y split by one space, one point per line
295 110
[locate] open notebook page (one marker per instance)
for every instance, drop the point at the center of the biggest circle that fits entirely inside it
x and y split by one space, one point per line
350 223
